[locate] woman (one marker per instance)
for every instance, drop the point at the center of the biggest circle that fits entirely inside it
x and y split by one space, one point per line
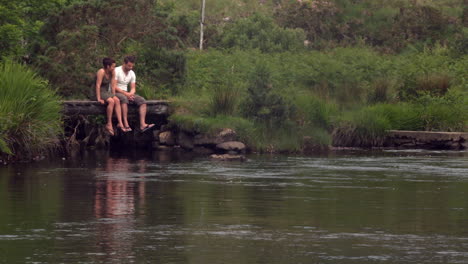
105 92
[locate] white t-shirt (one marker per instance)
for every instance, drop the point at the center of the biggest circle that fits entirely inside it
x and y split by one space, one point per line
122 79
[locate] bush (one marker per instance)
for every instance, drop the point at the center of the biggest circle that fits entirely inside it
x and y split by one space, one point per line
319 20
312 111
261 32
447 113
225 98
382 90
262 104
363 128
30 118
418 23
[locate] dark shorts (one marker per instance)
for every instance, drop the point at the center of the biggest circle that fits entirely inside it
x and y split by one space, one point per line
124 100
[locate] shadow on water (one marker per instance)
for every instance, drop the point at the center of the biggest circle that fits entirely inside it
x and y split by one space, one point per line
175 207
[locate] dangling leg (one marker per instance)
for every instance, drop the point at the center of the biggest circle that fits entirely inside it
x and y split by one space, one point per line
124 107
118 113
109 110
142 112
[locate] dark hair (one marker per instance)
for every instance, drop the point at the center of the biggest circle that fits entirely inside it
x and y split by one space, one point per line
130 58
107 62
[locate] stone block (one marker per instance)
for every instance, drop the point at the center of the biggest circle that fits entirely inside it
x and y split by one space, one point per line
224 135
203 150
167 138
185 140
236 146
156 135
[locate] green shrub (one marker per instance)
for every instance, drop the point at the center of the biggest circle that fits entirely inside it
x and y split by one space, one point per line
433 70
225 98
148 92
447 113
382 90
363 128
29 111
262 104
312 111
161 68
434 84
318 19
261 32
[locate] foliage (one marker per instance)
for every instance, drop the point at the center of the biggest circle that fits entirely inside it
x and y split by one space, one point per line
20 23
381 90
392 26
29 111
163 69
312 111
317 18
366 127
225 97
418 23
260 32
262 104
78 37
447 113
433 70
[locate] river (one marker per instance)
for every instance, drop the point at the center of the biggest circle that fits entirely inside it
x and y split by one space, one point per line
170 207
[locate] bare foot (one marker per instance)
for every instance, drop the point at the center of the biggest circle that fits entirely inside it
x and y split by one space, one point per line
146 127
124 129
110 130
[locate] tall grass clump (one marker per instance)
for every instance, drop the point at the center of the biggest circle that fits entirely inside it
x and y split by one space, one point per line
30 118
363 128
224 99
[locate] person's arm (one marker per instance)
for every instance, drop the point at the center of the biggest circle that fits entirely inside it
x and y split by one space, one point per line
99 76
132 88
113 83
133 83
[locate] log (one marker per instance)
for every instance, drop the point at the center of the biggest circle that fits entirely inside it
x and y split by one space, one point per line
70 108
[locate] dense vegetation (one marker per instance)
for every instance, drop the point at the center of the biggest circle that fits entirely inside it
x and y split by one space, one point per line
29 112
288 75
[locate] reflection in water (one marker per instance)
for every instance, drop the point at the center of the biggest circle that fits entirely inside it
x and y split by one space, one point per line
387 207
116 199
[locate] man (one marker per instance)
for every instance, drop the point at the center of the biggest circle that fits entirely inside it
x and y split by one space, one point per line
124 76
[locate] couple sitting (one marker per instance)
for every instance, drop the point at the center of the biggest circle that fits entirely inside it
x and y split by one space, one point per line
112 87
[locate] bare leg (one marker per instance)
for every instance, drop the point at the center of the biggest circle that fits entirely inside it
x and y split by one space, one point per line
109 110
142 113
118 112
125 114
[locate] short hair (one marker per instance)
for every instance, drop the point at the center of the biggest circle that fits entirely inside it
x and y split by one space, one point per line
129 58
107 62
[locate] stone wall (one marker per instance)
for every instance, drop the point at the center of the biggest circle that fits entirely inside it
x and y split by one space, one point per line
224 141
426 140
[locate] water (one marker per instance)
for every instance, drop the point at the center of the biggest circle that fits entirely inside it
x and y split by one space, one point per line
361 207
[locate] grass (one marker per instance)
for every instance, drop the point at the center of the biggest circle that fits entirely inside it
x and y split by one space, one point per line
30 118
